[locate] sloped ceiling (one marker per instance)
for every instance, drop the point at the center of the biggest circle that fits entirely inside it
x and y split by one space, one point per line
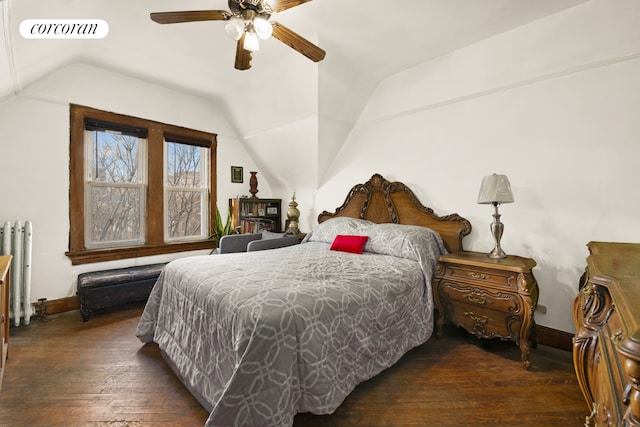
366 41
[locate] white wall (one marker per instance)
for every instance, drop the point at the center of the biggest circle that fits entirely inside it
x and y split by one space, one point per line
288 155
34 164
6 72
553 105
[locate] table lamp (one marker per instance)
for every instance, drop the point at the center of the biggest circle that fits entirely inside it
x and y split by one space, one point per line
496 189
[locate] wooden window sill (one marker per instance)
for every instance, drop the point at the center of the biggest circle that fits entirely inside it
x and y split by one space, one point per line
102 255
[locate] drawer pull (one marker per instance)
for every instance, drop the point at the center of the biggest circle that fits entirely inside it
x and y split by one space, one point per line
588 419
616 336
626 396
476 300
477 319
478 276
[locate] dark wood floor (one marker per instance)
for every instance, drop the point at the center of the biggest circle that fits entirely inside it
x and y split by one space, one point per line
64 372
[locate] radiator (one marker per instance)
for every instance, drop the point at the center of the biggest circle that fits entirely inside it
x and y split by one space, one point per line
17 241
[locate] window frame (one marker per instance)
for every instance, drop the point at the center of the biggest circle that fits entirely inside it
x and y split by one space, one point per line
205 210
140 186
155 205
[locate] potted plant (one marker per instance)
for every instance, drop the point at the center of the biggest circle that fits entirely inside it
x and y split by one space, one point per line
219 229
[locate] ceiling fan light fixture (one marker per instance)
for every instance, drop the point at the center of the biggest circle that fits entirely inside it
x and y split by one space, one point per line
247 22
251 42
234 28
263 28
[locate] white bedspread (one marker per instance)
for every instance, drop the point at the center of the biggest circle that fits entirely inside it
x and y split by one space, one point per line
264 335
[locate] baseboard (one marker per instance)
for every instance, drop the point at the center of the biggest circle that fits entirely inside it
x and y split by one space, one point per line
57 305
554 338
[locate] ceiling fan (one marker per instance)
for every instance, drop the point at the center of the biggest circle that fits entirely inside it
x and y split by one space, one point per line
247 22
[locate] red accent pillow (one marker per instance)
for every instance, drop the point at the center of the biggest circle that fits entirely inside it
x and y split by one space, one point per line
347 243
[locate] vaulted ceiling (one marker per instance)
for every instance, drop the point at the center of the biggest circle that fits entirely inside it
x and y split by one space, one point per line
365 40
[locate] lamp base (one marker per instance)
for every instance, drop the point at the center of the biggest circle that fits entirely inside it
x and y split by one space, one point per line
497 253
496 230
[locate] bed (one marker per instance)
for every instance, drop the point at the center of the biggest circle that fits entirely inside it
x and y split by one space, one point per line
257 337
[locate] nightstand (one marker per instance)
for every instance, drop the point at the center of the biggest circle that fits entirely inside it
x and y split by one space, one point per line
490 298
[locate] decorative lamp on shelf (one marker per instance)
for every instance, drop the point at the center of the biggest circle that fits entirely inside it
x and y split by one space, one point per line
495 190
293 214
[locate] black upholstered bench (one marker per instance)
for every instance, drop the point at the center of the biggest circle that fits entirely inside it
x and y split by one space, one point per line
102 289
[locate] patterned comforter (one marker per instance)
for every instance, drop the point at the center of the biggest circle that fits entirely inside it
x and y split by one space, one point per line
261 336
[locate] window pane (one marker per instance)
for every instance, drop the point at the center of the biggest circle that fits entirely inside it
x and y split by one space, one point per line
184 213
187 191
114 158
183 165
115 214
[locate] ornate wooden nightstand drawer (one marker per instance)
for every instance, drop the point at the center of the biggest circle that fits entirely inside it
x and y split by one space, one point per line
486 323
606 413
504 279
488 297
481 297
614 329
612 334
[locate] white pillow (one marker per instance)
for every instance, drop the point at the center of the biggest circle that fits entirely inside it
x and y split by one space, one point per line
327 231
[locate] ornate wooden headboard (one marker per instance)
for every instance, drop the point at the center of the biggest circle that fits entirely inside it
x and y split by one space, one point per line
381 201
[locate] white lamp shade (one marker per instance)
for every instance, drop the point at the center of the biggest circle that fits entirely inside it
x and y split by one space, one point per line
251 42
234 28
263 28
495 189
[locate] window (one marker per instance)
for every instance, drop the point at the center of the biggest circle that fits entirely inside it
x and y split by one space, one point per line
186 191
115 187
137 187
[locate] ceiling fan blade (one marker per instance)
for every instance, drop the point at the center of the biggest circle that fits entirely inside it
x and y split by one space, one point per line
297 42
243 56
190 16
280 5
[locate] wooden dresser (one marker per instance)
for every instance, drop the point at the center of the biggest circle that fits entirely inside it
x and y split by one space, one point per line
606 347
5 262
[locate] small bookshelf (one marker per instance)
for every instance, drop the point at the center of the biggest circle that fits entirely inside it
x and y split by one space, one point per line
254 215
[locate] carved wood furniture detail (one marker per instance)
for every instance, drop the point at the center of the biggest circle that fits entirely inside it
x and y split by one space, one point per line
382 201
490 298
606 347
5 263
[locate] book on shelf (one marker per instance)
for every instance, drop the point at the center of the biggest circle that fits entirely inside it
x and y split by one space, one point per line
257 225
268 211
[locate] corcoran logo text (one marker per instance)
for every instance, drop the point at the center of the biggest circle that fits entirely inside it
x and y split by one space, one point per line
64 29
